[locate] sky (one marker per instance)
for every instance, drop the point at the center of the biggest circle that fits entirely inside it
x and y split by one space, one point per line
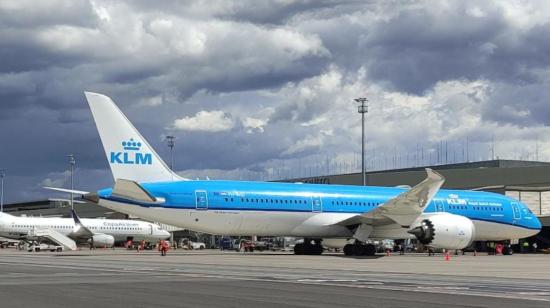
263 90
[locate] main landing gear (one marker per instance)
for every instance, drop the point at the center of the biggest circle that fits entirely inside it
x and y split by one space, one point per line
359 249
309 247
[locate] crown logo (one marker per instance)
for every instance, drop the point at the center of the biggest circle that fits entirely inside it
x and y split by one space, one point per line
131 145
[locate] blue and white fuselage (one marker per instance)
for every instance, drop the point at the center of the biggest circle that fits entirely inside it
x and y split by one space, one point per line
310 210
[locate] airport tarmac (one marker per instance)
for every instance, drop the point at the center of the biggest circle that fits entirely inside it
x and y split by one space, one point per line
115 278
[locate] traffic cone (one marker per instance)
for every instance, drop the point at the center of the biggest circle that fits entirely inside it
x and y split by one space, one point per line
447 256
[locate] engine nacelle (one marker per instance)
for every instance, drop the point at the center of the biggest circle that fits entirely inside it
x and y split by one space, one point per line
102 240
446 231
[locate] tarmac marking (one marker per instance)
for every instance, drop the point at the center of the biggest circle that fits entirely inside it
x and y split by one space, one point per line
386 281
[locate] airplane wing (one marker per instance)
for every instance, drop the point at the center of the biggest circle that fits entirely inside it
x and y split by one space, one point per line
406 207
80 231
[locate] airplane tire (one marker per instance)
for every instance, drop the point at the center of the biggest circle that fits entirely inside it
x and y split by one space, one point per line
349 250
317 249
360 250
370 250
507 251
299 249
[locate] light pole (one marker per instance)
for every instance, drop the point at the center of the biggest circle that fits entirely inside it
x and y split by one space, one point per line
2 175
170 140
362 109
72 163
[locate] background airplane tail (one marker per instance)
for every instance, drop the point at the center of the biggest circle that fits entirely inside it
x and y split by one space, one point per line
128 153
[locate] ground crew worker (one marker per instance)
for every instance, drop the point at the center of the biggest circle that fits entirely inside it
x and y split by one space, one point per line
498 249
163 247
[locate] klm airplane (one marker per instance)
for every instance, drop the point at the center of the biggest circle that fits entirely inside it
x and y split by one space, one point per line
146 187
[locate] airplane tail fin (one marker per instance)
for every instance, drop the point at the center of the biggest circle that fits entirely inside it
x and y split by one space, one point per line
130 156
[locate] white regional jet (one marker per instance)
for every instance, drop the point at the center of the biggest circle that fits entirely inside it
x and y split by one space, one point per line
98 232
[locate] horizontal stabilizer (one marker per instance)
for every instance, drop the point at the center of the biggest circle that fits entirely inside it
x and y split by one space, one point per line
133 191
66 200
69 191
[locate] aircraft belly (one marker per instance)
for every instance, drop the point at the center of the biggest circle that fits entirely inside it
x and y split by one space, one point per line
226 222
490 231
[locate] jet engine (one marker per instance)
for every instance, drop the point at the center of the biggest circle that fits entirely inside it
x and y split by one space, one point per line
447 231
102 240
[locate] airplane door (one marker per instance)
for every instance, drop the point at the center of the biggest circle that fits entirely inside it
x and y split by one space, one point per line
516 211
201 200
151 229
439 206
316 204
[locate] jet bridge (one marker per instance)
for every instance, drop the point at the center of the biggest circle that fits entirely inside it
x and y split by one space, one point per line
53 236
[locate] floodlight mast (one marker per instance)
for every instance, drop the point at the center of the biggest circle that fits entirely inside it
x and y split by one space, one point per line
2 175
72 163
170 140
362 109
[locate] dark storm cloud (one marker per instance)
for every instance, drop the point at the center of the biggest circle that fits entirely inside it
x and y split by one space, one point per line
257 12
524 105
24 14
417 46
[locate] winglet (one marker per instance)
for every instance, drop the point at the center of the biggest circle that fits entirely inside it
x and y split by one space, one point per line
75 217
79 229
